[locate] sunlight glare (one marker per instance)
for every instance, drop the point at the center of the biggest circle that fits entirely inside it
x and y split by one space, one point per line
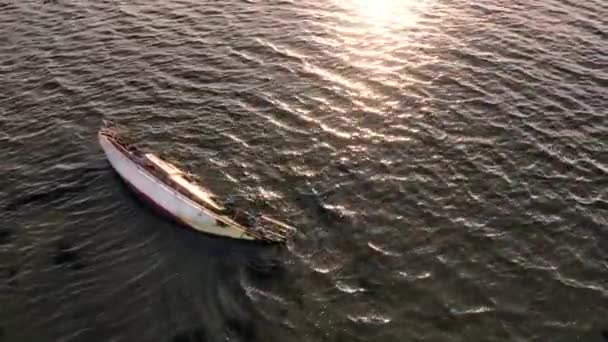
385 13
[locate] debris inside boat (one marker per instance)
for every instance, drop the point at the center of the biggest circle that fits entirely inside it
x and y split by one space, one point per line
175 193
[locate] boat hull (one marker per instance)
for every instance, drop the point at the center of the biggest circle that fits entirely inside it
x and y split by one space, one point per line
167 200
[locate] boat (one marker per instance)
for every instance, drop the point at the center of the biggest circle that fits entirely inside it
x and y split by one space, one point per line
178 195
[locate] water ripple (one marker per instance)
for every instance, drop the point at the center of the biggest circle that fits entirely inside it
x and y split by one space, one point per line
444 162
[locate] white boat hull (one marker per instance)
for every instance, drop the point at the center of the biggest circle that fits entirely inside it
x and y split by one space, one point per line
170 201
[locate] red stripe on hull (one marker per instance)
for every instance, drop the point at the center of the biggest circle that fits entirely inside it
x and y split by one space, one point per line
162 211
157 207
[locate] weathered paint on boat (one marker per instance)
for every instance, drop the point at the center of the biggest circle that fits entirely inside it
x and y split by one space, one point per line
168 200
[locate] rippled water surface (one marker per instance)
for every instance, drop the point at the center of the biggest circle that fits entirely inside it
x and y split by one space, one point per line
445 161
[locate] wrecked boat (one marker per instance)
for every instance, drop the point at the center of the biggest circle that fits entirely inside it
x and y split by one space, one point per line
176 194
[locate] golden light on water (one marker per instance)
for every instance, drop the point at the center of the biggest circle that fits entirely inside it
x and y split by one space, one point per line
379 39
378 11
368 32
385 13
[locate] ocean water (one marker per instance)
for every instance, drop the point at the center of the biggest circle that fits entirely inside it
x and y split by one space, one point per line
445 163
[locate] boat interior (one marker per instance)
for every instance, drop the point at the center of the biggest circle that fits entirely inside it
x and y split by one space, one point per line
258 225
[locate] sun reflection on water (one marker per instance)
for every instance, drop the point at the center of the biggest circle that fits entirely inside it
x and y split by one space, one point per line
385 13
379 38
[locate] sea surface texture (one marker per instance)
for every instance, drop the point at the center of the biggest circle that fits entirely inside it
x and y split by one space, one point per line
445 163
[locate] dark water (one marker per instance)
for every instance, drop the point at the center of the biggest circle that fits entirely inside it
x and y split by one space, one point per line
445 161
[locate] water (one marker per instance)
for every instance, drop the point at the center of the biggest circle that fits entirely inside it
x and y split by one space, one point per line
445 161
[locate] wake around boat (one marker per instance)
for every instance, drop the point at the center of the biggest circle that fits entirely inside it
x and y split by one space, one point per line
179 196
